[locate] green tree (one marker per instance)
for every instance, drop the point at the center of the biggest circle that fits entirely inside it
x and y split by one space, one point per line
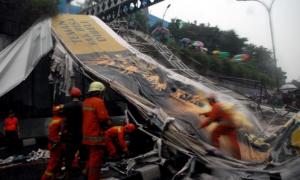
22 14
140 21
261 66
296 83
230 41
34 9
263 61
212 37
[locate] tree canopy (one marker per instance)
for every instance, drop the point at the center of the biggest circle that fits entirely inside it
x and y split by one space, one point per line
16 16
213 37
260 67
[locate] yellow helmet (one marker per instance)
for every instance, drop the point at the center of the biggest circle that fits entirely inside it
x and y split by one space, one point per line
96 86
56 110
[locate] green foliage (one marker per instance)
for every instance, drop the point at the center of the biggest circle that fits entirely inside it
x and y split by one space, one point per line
213 37
207 63
229 41
264 63
28 11
35 9
140 21
296 83
25 12
260 67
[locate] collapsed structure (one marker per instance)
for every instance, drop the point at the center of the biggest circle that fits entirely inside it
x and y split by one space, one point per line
39 68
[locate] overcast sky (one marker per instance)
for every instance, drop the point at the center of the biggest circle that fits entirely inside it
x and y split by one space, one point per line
248 19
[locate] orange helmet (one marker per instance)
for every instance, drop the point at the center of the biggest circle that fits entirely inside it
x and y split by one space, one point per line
75 92
57 109
129 127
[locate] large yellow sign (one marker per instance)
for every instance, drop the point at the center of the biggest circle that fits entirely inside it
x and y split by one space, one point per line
82 35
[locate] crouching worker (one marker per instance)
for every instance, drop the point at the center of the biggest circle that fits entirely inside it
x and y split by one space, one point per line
55 145
220 113
116 134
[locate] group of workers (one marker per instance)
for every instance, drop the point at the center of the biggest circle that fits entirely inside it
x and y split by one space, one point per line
75 125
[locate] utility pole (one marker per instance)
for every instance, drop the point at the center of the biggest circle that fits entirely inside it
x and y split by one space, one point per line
269 10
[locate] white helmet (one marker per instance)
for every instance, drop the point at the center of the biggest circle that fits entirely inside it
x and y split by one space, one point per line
96 86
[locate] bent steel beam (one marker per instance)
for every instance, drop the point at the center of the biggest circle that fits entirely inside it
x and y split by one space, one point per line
108 10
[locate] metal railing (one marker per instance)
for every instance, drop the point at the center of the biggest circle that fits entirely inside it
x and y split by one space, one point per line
168 55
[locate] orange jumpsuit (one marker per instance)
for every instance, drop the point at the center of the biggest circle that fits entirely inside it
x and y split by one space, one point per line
55 146
225 127
11 133
110 135
94 113
11 124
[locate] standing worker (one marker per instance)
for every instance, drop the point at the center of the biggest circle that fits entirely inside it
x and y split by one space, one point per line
73 126
55 145
117 133
11 128
95 116
225 125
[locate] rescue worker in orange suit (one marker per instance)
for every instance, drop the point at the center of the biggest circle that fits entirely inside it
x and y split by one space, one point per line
55 146
73 126
11 128
117 133
225 126
95 117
